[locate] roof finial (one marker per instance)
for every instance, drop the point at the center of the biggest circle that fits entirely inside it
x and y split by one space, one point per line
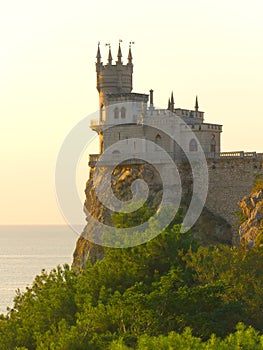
109 56
196 104
130 53
119 52
98 53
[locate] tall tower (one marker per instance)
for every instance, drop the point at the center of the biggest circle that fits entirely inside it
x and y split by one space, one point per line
113 78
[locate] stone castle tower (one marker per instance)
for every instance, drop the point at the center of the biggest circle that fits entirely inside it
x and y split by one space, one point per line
113 78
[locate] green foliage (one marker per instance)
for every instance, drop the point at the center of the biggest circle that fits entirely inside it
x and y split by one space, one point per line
243 338
168 293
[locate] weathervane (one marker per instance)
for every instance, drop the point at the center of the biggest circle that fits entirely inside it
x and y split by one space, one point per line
131 43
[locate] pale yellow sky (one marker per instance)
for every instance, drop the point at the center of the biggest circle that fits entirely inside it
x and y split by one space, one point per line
48 48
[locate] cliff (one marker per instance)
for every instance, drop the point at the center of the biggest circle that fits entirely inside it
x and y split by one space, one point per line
251 229
209 229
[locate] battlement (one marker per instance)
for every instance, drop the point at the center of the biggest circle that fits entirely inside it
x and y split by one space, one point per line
186 113
113 78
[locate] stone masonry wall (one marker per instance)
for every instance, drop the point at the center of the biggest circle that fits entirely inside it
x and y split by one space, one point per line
229 181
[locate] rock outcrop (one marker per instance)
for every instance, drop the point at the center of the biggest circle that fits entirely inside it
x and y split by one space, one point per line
122 178
252 217
209 229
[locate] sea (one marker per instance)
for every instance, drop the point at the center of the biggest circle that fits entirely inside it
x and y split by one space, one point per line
25 251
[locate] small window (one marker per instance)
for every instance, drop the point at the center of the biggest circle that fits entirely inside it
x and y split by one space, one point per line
158 140
123 113
193 146
213 145
116 113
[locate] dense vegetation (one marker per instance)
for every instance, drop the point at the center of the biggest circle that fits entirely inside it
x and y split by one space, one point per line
169 293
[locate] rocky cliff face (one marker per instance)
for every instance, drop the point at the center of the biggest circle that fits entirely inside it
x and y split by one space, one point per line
252 217
122 178
209 229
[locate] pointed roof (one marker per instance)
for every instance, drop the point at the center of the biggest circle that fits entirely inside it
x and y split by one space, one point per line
172 98
130 55
196 104
98 53
109 56
172 102
119 53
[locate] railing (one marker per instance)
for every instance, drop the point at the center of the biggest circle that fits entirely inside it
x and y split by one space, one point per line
239 154
231 155
206 126
154 157
95 122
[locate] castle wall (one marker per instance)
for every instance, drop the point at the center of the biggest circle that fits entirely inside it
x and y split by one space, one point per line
229 181
205 138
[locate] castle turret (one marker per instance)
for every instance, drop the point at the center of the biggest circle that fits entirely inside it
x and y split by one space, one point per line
113 78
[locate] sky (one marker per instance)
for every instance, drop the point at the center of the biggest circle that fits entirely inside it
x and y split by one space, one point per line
212 49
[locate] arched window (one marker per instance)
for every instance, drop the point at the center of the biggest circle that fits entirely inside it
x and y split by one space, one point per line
116 113
213 145
158 139
193 146
123 113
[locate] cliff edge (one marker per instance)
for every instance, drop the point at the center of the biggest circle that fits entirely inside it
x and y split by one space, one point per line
251 229
209 229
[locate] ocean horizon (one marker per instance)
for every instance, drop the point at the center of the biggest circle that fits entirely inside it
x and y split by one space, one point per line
25 250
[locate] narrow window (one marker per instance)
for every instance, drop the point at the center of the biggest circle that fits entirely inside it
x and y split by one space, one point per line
123 113
158 140
116 113
193 146
213 145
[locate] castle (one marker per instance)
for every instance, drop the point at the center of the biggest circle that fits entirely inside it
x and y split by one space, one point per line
231 174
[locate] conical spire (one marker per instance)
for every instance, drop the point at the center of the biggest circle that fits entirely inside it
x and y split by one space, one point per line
196 104
119 53
172 102
109 55
98 53
130 55
169 104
